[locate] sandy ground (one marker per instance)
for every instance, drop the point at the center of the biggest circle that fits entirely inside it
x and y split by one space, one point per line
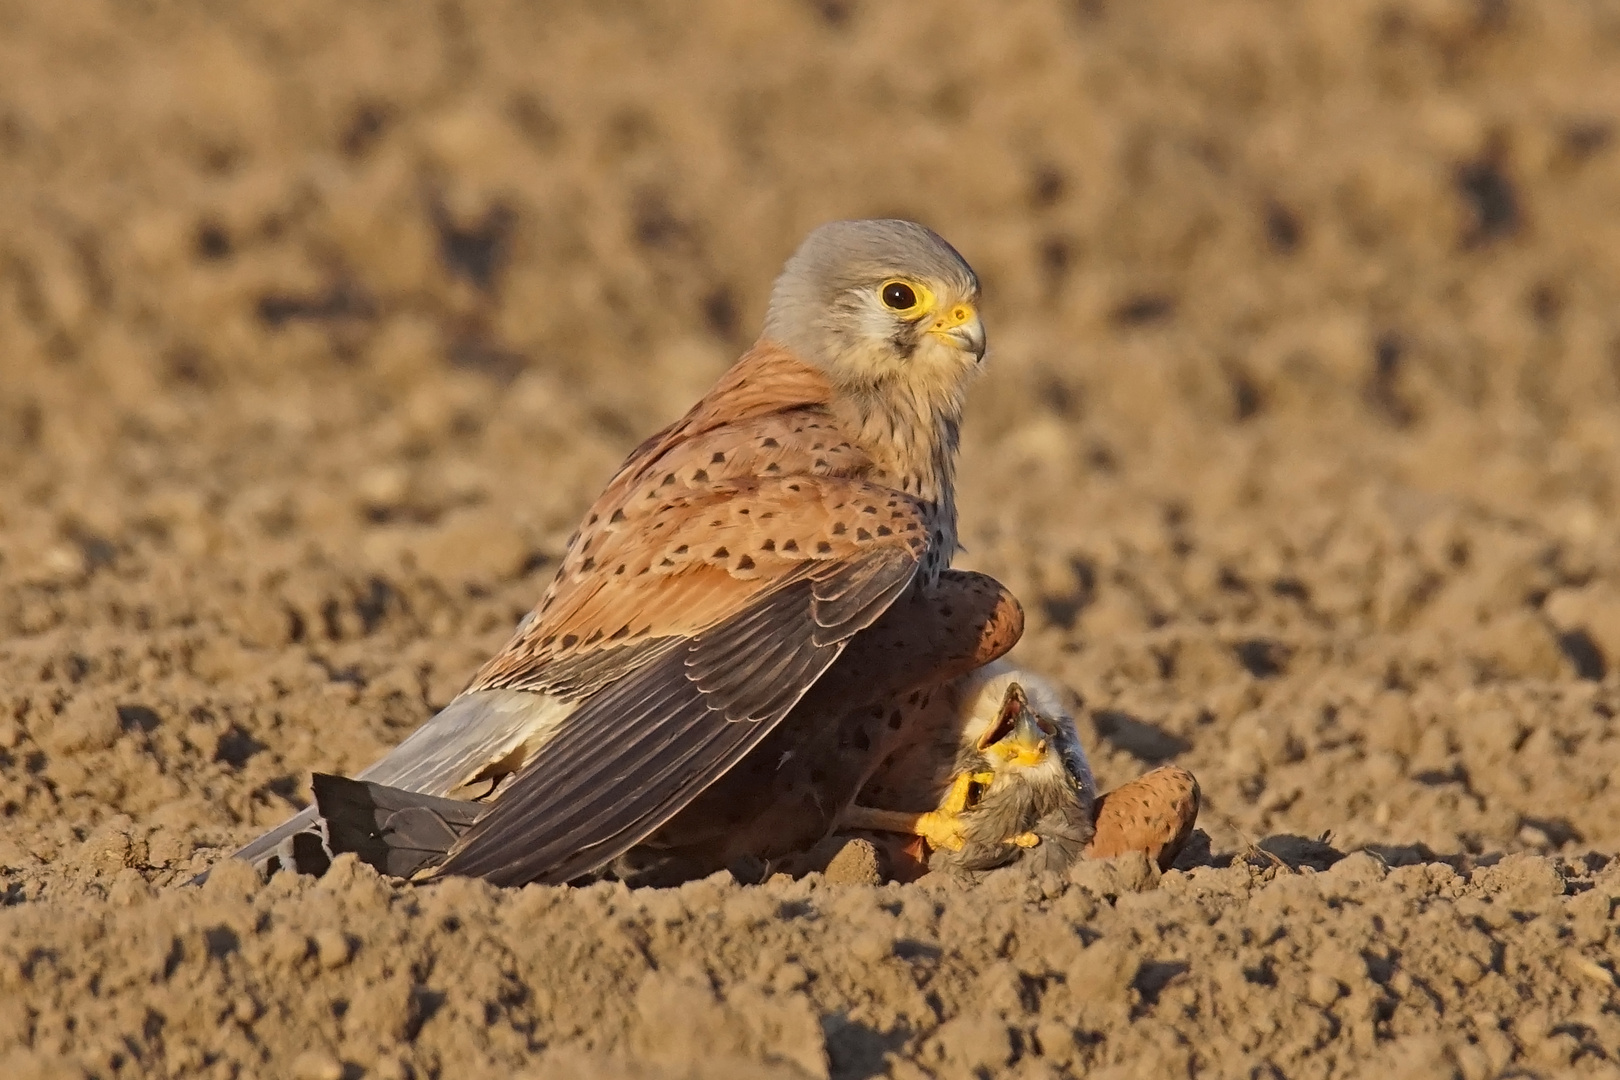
321 323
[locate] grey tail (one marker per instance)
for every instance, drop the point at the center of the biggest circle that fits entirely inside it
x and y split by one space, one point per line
473 730
395 831
280 848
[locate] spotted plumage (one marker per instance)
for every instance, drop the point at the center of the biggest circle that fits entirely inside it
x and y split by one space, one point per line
722 573
1026 797
1153 814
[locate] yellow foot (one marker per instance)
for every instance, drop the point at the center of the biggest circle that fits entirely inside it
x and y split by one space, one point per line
940 830
1026 840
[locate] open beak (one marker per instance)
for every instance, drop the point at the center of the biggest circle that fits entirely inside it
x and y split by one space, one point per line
1018 735
962 327
1026 735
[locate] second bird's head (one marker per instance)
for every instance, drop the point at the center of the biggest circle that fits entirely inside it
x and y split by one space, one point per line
1019 737
879 304
1017 723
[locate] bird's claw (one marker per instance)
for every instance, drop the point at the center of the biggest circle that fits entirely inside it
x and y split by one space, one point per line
938 829
942 831
941 828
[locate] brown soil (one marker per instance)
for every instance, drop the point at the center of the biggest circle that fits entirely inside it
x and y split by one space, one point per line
320 323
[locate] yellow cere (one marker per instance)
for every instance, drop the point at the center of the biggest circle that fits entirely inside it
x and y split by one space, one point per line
959 315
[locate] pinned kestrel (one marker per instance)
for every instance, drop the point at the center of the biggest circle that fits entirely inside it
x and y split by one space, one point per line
999 763
722 574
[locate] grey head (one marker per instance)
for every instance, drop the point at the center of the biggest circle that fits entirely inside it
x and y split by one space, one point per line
876 301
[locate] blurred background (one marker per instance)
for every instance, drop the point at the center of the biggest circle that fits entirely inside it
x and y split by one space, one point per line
320 324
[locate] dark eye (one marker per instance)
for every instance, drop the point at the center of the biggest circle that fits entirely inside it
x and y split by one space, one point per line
899 296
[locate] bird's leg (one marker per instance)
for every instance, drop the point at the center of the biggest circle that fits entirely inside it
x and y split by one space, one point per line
941 827
940 830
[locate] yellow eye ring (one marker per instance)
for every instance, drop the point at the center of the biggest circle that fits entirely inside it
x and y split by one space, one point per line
905 297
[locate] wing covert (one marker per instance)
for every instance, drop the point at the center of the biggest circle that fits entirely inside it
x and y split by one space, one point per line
633 755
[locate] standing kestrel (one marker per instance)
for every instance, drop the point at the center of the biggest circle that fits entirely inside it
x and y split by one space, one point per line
719 578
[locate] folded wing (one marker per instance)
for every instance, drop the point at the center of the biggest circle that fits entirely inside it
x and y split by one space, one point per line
631 756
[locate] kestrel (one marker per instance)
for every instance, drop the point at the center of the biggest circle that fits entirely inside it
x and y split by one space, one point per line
717 581
999 766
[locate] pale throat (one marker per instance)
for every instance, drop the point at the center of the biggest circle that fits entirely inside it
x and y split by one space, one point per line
911 435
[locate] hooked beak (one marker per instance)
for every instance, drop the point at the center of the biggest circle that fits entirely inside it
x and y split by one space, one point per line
1018 735
962 327
1026 734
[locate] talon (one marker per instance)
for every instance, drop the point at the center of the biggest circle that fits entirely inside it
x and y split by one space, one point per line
941 830
956 799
